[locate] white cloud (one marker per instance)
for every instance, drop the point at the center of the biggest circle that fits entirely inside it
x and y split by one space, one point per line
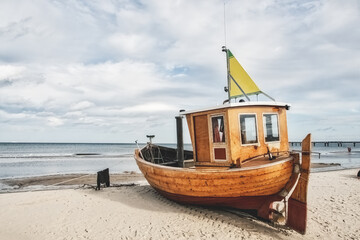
132 44
82 105
54 121
10 72
149 108
110 67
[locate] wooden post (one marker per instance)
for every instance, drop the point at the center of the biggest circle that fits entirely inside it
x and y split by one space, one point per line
297 210
180 141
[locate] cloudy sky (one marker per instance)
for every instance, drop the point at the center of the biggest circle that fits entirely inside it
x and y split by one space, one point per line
114 71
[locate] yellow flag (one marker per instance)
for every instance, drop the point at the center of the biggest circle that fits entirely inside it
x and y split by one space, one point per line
242 79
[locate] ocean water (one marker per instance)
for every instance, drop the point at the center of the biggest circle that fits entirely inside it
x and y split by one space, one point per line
39 159
334 154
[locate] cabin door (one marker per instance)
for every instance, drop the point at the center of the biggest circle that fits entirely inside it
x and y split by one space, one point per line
218 138
202 138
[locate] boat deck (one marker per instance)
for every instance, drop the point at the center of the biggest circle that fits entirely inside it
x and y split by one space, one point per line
251 163
262 160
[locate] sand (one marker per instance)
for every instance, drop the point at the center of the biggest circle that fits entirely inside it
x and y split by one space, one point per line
139 212
66 181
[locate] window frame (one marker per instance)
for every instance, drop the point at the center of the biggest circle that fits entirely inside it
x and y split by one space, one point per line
212 130
257 130
218 145
278 126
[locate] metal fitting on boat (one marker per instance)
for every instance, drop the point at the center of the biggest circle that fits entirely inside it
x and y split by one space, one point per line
283 193
296 168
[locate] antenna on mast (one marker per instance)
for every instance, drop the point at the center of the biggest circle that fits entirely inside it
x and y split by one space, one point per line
224 24
224 49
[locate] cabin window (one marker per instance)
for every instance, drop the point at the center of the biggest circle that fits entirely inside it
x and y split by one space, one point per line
271 127
218 129
248 129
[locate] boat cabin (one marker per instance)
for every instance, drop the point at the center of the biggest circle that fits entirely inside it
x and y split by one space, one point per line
228 135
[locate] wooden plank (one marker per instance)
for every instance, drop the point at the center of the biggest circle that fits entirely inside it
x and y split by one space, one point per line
213 165
300 192
195 188
272 188
202 138
297 204
244 182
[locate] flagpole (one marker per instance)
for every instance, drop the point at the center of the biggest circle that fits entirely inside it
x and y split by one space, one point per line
224 49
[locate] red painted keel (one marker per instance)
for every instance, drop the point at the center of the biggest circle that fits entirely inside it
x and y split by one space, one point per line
297 215
260 203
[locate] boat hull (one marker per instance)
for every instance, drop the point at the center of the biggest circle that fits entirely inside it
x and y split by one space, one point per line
247 188
253 187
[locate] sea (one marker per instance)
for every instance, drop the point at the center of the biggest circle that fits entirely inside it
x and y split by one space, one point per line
18 160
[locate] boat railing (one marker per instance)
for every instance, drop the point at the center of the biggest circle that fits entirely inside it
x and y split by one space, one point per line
152 153
163 155
307 152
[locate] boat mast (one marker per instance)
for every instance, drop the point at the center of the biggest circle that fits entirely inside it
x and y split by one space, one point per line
227 89
224 49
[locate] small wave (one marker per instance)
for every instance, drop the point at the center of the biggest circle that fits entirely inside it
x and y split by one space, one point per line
87 154
50 156
344 153
8 161
35 156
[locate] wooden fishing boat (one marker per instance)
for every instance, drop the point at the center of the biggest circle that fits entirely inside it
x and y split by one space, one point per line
240 158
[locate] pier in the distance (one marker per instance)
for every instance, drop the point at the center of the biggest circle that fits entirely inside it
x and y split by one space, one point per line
329 143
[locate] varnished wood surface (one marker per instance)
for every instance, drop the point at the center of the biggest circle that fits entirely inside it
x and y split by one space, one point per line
202 152
300 192
243 151
224 145
262 160
237 152
297 204
257 181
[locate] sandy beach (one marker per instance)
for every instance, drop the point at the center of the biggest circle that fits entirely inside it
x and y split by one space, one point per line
131 209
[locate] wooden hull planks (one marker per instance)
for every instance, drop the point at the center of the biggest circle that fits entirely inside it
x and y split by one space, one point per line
262 181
